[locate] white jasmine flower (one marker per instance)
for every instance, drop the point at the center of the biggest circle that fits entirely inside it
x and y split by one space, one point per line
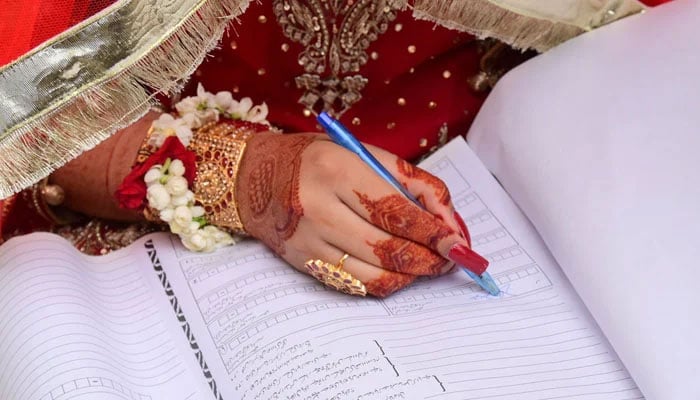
191 120
211 244
197 211
192 103
182 216
166 214
205 116
211 230
219 237
223 100
182 199
168 192
176 185
257 114
176 168
188 105
175 228
153 175
157 196
195 242
239 109
166 125
204 95
198 110
192 227
183 229
156 139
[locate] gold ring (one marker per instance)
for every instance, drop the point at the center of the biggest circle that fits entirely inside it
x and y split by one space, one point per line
334 276
342 260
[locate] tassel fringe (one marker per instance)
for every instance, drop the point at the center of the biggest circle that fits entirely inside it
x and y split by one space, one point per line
484 19
32 151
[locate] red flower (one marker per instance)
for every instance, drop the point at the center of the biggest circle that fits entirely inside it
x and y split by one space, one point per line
131 193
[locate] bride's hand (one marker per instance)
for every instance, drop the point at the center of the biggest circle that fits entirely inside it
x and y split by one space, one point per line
308 198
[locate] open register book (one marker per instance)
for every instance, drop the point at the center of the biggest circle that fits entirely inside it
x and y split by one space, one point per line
154 321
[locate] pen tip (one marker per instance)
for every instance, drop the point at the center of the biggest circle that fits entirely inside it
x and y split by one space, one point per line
490 284
485 281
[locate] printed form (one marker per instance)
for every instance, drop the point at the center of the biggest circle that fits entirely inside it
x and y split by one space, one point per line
267 331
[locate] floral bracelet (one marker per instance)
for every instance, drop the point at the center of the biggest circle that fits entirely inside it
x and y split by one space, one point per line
185 171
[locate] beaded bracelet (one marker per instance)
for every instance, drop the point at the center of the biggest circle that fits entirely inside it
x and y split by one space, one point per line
186 168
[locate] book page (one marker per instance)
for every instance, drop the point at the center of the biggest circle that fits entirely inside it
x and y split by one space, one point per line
79 327
269 332
597 141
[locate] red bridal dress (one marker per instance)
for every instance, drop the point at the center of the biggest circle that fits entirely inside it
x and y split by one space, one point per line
402 84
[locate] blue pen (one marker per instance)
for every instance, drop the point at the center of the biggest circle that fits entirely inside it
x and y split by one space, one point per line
342 136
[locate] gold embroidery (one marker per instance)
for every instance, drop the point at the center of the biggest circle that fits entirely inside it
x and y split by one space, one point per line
97 237
443 135
336 35
497 58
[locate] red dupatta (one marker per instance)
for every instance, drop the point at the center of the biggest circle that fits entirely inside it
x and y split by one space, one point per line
38 22
28 23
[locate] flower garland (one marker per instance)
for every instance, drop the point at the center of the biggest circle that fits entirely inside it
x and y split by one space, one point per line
163 180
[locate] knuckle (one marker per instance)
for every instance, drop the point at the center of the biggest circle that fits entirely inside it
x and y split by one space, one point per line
322 222
323 159
300 247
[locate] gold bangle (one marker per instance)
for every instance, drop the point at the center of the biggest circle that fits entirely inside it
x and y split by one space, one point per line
186 168
219 148
44 197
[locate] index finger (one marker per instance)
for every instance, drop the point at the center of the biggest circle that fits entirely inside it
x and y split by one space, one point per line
380 204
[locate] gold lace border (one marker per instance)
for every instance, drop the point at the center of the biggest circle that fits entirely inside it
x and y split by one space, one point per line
77 89
518 27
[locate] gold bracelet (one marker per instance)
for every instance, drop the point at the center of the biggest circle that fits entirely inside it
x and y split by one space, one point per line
44 197
186 168
219 148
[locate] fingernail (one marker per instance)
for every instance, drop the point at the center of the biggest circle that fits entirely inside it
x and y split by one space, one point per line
466 257
463 227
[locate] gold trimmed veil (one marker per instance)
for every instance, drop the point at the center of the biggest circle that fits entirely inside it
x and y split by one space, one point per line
72 92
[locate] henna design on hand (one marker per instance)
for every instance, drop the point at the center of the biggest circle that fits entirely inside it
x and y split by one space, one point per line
410 171
387 283
260 186
268 187
398 216
402 255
